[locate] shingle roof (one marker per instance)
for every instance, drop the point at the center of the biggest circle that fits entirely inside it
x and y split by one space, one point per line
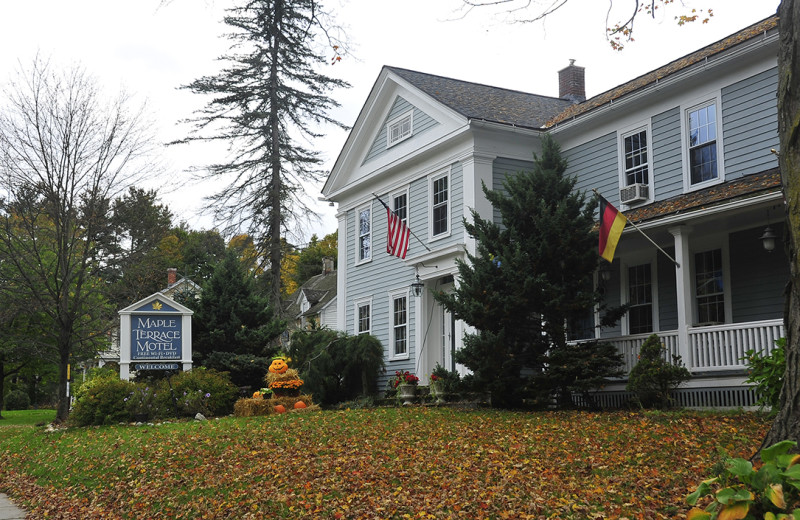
319 290
668 69
740 188
483 102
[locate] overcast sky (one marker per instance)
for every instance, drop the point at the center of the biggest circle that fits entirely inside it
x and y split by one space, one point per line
150 50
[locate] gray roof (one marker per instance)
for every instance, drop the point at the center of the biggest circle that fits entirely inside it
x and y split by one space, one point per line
482 102
319 290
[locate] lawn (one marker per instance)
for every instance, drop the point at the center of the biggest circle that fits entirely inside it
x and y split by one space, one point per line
377 463
26 417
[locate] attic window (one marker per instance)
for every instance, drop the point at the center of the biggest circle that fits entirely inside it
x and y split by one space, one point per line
399 129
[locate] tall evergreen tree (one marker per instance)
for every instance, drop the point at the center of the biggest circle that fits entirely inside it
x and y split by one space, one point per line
529 276
269 97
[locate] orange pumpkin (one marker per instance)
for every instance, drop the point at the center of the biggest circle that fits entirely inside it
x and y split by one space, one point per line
299 404
278 366
257 395
280 409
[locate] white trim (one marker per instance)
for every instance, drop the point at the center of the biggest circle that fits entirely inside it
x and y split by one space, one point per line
359 210
623 181
396 122
711 243
394 295
648 257
685 108
431 179
362 302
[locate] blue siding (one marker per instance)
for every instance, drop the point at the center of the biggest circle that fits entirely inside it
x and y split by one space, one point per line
612 298
667 292
501 169
750 124
667 158
758 278
595 165
420 123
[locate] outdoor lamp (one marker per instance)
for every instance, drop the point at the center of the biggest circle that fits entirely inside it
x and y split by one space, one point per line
417 286
605 274
768 239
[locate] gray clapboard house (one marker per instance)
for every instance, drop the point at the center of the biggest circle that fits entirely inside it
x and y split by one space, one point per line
684 151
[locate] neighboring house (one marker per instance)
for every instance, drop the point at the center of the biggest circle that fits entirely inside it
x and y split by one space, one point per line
180 287
684 151
314 301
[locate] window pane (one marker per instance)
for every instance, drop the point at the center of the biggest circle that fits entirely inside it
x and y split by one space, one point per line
636 158
439 197
400 325
640 298
709 288
363 319
401 206
702 144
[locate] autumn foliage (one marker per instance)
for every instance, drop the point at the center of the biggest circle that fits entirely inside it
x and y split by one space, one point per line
378 463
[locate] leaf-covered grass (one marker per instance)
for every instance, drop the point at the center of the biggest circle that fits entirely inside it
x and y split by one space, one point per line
26 417
378 463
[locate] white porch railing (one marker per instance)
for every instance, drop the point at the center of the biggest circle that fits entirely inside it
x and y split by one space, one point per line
722 347
718 347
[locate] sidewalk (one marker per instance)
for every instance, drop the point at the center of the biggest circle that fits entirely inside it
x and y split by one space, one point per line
8 511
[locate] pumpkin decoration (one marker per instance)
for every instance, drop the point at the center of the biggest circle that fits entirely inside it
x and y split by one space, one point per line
280 408
299 404
258 395
278 366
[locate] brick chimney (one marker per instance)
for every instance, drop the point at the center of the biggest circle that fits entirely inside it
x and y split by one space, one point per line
327 265
572 83
172 276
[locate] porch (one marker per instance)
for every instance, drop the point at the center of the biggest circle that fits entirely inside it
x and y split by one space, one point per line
710 349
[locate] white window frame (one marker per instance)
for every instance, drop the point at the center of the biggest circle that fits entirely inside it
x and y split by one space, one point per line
400 193
709 244
398 122
634 261
431 180
393 296
357 305
623 174
686 109
358 234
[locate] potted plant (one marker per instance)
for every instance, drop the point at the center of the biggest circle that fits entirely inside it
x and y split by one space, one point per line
406 385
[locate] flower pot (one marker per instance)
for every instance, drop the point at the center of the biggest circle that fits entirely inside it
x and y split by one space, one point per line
406 394
437 392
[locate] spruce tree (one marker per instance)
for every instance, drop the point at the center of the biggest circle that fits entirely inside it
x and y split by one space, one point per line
528 277
267 104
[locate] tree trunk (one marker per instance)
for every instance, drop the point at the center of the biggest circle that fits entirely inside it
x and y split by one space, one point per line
787 423
62 406
276 187
2 383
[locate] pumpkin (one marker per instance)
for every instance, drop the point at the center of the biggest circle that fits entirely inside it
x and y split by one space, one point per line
299 404
280 409
257 395
278 366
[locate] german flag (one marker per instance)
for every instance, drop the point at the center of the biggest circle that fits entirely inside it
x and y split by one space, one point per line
612 222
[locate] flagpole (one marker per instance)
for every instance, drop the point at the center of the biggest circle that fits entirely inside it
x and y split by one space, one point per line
645 235
398 216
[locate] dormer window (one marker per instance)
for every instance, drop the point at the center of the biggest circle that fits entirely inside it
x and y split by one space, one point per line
399 129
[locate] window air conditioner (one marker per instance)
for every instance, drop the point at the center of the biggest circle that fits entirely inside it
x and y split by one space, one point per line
634 193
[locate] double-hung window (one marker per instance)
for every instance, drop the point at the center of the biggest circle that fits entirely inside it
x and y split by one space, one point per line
364 225
400 206
640 299
440 201
709 287
363 317
399 129
400 325
636 158
701 123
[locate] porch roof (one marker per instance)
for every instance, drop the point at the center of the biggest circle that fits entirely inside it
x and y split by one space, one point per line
741 188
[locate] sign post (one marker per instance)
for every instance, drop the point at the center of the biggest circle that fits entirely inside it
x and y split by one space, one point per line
155 334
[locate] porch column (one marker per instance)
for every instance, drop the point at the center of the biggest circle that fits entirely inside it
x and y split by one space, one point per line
683 285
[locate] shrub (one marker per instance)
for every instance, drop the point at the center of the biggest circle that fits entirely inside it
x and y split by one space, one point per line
202 390
17 400
449 382
102 402
245 370
766 373
740 491
654 378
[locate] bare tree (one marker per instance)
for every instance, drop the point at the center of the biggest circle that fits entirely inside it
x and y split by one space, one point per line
65 153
